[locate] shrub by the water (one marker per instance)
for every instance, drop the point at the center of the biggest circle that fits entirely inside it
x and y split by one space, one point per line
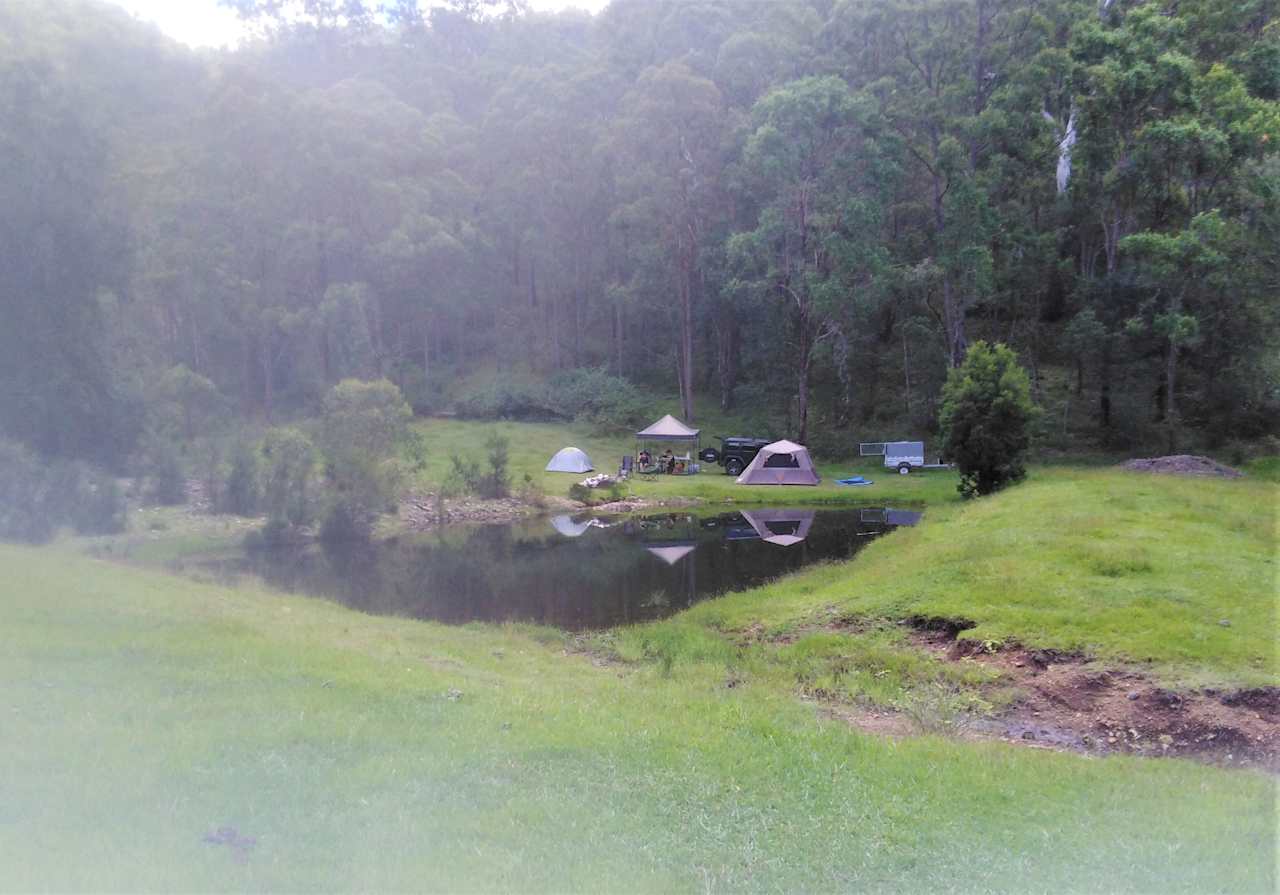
342 524
467 476
497 483
241 493
36 497
290 459
986 419
24 513
100 509
168 482
363 426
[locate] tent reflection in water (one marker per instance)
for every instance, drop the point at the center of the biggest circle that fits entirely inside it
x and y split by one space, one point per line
672 553
570 459
781 463
781 527
565 525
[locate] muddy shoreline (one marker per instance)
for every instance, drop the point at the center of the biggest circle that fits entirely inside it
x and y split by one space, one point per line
423 511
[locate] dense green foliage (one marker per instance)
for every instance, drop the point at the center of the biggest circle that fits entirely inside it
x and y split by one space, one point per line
804 206
37 497
288 471
361 430
986 419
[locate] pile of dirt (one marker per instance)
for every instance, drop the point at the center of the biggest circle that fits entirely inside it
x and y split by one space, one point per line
1183 464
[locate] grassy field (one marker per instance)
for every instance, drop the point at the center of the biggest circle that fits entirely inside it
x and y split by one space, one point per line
1178 574
533 444
142 712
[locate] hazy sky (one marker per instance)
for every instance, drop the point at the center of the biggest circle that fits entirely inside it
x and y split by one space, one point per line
204 23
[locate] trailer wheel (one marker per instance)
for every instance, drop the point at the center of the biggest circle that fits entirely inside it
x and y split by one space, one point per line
904 469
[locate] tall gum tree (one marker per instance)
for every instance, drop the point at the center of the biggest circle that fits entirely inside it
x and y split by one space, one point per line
670 137
808 158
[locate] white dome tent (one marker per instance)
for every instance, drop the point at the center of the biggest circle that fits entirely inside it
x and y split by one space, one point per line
570 459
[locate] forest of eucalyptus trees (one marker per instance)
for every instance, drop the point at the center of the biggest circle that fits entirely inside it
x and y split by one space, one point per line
812 206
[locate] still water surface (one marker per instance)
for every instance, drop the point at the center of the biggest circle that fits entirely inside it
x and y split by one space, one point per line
575 572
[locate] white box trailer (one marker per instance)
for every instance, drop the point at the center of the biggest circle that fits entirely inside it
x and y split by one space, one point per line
903 456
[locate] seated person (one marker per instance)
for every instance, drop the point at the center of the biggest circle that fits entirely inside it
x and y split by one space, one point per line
645 459
668 461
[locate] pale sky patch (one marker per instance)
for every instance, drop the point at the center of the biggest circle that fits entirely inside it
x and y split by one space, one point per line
203 23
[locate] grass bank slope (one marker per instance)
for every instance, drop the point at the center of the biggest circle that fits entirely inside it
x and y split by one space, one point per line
1179 574
142 712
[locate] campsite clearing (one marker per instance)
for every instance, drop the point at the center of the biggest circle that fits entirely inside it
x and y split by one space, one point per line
533 443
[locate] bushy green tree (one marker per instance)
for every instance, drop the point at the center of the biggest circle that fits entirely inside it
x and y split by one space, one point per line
241 494
986 418
363 425
290 460
168 479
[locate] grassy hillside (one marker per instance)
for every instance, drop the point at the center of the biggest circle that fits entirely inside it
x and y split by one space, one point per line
1176 573
144 712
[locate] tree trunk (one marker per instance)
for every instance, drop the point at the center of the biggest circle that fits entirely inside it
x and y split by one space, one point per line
1104 390
727 336
268 381
906 370
618 335
1170 403
686 352
805 357
426 346
953 320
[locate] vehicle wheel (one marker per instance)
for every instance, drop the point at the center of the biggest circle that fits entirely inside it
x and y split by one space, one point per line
733 466
904 469
709 455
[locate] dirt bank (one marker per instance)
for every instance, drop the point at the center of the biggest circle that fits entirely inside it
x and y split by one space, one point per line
1072 702
1182 464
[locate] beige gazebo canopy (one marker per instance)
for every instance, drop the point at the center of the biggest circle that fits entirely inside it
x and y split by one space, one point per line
668 429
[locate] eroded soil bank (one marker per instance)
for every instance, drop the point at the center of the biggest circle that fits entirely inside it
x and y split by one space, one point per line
1073 703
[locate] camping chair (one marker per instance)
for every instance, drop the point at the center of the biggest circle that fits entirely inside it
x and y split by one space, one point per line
624 471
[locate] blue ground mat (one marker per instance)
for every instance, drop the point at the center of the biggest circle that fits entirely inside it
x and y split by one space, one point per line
854 480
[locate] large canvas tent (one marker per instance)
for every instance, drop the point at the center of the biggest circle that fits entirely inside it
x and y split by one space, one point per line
781 463
570 459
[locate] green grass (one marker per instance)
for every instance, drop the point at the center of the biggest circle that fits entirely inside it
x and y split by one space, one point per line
141 711
1177 574
532 445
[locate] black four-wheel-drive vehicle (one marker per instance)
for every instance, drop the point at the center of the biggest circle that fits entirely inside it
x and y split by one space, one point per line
734 453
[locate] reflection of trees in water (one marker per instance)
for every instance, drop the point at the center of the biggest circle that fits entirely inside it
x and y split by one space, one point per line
522 572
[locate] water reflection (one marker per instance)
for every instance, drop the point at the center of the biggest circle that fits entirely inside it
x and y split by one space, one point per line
575 572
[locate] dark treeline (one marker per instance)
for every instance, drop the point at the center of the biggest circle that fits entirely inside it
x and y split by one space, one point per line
809 205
